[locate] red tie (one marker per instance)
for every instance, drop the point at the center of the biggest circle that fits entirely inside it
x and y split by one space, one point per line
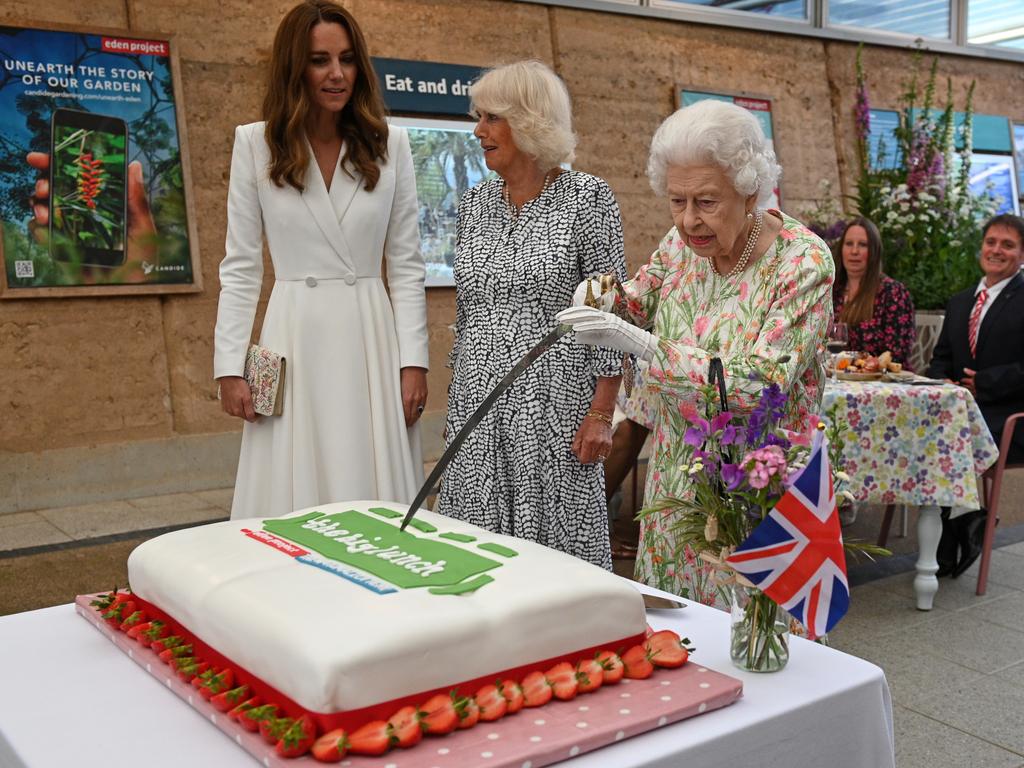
975 320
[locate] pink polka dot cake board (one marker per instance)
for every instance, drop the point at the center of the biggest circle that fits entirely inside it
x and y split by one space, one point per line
532 737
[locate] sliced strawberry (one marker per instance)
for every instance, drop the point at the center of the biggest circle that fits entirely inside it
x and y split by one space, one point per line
298 739
251 718
198 680
438 715
244 707
134 631
187 671
228 700
134 619
171 655
665 649
536 690
513 694
273 728
118 612
637 663
492 703
612 665
217 683
589 676
405 727
373 738
562 678
469 712
171 641
155 631
331 747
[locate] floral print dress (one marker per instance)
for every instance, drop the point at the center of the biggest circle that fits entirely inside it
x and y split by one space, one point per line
891 326
778 306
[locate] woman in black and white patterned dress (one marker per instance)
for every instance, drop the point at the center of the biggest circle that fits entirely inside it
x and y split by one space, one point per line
525 240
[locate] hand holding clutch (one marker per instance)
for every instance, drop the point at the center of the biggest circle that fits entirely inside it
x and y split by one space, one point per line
601 329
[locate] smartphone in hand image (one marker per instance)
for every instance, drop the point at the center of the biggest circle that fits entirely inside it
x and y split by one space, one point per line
88 183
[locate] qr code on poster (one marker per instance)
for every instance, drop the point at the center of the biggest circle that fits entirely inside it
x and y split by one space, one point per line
24 268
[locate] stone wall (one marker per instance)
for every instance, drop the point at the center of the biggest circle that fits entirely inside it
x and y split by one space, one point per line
68 392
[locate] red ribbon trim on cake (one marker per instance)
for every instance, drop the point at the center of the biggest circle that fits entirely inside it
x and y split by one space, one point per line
352 719
276 542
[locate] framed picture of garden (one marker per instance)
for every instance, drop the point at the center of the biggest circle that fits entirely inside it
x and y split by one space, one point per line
95 194
448 161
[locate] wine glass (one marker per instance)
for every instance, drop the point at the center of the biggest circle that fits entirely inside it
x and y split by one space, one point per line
837 341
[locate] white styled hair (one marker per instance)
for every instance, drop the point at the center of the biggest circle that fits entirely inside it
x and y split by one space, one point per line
536 104
713 131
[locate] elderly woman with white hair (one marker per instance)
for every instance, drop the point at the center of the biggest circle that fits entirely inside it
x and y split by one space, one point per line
525 239
730 280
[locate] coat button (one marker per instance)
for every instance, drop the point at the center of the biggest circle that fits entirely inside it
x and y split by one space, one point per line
311 281
350 279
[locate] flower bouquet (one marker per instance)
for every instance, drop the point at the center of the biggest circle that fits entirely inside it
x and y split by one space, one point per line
740 466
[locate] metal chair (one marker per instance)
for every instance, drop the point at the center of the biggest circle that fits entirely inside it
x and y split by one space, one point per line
991 485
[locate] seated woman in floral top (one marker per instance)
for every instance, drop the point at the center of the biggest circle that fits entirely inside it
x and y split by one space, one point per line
877 309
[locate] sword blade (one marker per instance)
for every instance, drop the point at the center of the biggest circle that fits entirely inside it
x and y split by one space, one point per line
525 362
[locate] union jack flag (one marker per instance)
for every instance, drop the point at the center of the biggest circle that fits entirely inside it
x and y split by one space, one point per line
795 556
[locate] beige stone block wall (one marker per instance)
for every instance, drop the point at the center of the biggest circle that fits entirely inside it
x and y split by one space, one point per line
87 372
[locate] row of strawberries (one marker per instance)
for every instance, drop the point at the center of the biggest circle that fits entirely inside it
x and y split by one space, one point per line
439 715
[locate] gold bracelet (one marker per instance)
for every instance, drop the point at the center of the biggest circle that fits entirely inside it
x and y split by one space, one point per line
600 416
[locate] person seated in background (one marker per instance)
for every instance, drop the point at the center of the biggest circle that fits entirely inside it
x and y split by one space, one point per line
981 347
877 309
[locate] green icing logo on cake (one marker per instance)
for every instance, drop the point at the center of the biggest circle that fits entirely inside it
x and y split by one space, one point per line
378 556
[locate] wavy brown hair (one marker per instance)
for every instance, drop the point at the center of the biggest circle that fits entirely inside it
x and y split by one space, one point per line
361 123
860 307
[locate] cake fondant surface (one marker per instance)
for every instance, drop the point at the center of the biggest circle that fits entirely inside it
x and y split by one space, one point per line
339 610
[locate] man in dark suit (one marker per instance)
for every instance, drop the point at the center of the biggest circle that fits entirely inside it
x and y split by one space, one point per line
981 347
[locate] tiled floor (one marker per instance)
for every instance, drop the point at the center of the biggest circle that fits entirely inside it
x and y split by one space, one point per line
956 673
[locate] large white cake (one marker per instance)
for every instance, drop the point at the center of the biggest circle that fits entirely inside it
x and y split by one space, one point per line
337 609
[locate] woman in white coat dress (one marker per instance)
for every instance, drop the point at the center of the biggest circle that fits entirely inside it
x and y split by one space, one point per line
332 188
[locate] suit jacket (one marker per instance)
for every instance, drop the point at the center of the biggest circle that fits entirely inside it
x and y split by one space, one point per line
1000 355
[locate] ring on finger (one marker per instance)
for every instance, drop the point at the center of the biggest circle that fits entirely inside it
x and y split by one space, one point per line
419 409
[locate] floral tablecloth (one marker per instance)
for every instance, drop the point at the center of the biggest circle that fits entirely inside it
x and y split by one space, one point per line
912 444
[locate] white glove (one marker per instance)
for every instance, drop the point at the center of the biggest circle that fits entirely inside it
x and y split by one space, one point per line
605 302
601 329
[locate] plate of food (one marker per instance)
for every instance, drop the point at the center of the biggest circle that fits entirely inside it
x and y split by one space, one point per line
862 367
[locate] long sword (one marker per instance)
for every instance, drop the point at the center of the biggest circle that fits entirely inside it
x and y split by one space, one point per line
527 360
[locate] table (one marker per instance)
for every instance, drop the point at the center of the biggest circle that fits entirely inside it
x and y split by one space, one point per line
917 445
73 698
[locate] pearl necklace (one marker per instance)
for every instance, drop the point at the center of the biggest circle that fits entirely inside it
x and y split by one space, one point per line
755 233
514 209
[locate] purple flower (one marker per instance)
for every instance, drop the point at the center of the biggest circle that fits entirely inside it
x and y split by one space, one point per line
730 435
719 422
694 437
732 475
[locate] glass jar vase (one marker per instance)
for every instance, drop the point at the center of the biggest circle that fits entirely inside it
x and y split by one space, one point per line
759 639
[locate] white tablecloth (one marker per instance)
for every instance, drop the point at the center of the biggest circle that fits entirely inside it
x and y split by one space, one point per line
68 697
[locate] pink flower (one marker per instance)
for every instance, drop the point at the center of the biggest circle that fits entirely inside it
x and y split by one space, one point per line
763 464
744 290
701 324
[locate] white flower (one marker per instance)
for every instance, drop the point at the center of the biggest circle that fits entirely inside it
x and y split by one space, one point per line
842 477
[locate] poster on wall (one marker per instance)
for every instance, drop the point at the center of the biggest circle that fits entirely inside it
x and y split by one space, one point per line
94 194
448 161
759 106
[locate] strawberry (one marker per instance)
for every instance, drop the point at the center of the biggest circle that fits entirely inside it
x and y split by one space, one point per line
228 700
103 601
469 713
405 727
438 716
273 728
536 690
492 703
331 747
155 631
637 663
298 739
372 739
133 620
187 671
177 652
665 649
244 707
250 719
217 683
589 675
118 612
138 629
513 694
162 644
612 666
562 678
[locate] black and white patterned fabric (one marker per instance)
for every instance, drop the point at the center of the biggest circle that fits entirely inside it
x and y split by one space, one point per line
516 473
